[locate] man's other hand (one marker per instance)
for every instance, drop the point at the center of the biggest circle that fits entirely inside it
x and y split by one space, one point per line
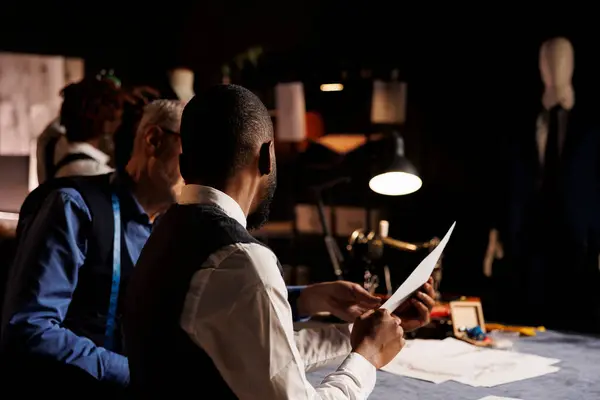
345 300
416 311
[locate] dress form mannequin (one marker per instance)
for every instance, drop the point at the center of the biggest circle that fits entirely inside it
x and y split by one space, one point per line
556 64
548 230
182 83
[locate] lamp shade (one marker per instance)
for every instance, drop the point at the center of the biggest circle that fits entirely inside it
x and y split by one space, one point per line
399 178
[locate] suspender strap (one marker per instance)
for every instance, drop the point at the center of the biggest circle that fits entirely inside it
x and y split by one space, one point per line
68 159
116 276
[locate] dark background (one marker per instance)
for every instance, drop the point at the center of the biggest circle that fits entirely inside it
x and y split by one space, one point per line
472 74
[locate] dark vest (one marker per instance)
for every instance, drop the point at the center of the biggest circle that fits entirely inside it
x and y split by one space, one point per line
163 359
88 309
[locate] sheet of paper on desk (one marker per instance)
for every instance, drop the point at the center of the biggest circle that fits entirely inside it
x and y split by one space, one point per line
505 374
438 361
419 276
430 360
497 398
497 367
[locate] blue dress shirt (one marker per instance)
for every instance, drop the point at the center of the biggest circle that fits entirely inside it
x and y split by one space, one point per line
294 293
51 251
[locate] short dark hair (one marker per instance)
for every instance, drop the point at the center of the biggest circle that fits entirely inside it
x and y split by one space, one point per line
220 129
81 101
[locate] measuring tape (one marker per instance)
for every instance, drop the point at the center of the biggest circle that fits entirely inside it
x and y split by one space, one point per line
111 317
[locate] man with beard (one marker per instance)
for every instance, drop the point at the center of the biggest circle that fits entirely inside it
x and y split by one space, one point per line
207 308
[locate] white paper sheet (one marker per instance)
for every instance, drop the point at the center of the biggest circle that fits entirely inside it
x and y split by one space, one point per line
491 367
439 361
419 276
431 360
498 398
496 367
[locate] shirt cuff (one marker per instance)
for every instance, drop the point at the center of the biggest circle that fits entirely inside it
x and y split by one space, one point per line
294 293
362 371
116 368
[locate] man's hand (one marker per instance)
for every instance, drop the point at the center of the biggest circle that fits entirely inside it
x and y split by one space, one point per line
345 300
377 336
416 311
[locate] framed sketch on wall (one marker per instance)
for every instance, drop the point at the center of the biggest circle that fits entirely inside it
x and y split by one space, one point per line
30 99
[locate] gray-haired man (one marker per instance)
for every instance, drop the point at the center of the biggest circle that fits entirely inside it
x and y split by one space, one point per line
79 238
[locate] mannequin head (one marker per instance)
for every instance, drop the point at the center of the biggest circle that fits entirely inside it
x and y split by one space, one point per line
182 82
556 67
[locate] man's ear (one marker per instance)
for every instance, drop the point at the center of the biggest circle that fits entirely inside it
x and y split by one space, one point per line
264 158
154 140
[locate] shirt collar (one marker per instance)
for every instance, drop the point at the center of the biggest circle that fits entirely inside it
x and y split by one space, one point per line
123 185
198 194
65 147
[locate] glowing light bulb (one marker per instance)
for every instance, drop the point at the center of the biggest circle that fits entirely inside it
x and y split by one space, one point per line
395 183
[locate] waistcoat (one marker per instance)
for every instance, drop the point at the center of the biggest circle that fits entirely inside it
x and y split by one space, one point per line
88 310
162 357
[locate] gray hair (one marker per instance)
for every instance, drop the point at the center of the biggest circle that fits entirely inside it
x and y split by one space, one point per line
164 113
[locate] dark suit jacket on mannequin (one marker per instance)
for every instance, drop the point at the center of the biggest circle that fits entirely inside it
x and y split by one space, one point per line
551 236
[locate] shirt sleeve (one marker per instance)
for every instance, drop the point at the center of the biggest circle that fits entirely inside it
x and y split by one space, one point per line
41 284
241 305
323 346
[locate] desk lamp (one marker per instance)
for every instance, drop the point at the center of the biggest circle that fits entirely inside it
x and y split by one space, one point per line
400 177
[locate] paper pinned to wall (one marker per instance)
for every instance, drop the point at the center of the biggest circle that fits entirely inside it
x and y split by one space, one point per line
14 135
30 93
389 102
419 276
291 112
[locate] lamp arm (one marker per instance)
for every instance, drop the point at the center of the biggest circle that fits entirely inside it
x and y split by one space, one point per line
399 145
335 256
334 252
321 210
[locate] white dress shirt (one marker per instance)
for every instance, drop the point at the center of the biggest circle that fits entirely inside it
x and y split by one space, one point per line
237 311
97 165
